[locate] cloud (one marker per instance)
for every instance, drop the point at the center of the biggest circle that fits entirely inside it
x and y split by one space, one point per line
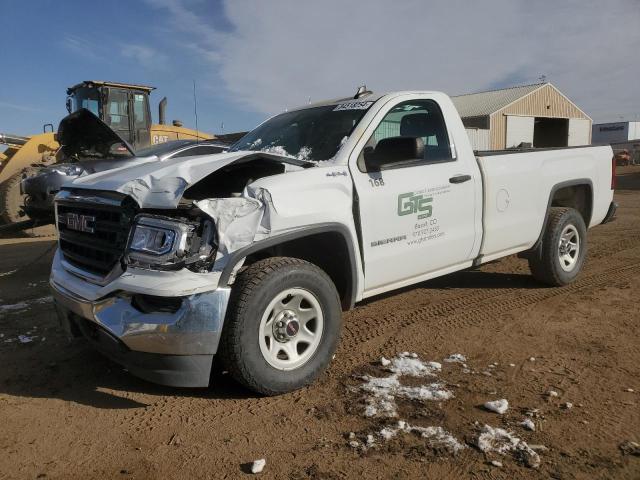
280 53
81 47
145 56
20 108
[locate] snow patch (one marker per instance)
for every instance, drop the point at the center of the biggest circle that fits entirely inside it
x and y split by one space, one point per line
528 424
409 364
497 406
258 465
455 358
436 437
383 391
24 305
503 442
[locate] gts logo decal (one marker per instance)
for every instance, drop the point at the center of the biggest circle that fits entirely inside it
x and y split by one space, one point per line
410 202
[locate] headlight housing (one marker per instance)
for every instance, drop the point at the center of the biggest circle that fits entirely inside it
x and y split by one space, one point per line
162 243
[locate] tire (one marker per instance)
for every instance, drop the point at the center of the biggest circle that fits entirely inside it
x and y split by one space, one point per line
12 201
261 346
562 252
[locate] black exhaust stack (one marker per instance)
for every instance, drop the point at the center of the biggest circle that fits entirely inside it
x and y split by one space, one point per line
162 108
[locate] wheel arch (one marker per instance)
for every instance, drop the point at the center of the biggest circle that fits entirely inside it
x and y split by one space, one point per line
330 246
577 194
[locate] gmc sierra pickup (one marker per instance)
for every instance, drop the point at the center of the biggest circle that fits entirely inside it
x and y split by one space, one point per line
252 255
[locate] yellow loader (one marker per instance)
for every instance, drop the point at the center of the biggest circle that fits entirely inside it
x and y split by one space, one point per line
124 107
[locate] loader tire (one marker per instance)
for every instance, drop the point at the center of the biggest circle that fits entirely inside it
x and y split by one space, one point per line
12 201
282 325
562 252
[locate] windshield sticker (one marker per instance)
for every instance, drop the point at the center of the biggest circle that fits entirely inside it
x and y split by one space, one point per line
353 106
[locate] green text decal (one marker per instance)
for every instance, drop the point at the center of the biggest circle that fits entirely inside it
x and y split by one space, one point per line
409 203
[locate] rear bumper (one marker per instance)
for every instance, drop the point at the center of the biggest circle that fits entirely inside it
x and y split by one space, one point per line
611 213
174 349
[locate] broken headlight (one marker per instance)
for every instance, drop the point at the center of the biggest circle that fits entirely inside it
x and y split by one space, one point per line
163 243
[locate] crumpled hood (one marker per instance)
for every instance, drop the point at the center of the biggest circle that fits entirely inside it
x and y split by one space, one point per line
158 184
83 134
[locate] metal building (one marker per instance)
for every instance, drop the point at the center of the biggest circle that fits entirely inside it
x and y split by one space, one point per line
624 137
538 115
616 132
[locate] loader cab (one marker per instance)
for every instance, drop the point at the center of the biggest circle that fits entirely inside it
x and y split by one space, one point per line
124 107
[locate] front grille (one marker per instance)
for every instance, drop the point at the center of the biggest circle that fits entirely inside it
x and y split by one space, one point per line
93 235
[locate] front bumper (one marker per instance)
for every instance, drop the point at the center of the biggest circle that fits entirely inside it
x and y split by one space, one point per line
169 348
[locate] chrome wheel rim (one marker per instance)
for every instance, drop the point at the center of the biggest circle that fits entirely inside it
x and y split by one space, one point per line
569 248
291 329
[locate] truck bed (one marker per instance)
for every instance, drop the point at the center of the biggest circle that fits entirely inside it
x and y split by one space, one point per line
519 185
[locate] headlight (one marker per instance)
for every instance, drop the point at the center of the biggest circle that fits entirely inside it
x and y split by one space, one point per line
67 169
163 243
153 240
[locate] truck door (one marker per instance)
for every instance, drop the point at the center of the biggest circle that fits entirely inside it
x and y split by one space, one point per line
417 215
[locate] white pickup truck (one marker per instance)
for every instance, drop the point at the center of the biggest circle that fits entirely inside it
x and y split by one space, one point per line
252 255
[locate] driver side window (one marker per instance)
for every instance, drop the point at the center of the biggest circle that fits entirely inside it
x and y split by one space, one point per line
419 120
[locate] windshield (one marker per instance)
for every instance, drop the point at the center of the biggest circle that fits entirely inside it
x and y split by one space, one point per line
88 98
312 134
162 148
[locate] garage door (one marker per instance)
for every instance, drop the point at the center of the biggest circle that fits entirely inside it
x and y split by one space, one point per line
519 130
579 130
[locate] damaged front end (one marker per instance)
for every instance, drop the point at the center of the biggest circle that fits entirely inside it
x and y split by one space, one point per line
137 271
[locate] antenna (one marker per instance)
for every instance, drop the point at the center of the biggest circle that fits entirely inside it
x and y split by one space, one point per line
361 92
195 110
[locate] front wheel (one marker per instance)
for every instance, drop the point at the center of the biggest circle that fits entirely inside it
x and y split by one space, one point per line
562 252
282 326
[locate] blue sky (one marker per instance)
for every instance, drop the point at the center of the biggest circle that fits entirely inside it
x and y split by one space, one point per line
47 48
251 59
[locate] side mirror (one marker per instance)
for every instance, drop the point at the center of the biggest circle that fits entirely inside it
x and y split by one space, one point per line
68 104
393 150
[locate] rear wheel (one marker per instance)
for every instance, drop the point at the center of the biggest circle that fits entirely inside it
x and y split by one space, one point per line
282 326
561 254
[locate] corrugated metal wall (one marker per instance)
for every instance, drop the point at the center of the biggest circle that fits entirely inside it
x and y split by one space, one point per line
534 105
479 138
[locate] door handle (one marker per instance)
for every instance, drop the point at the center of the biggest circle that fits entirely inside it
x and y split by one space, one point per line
460 178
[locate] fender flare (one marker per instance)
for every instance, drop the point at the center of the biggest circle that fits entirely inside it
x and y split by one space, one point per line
554 189
329 227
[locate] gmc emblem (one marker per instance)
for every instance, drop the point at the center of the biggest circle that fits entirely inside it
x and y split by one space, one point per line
81 223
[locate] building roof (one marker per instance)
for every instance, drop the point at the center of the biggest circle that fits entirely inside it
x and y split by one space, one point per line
485 103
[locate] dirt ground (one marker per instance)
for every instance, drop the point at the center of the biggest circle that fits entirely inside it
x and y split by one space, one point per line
67 413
